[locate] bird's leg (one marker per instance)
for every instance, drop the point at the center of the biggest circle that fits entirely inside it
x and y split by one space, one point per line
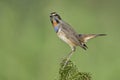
69 56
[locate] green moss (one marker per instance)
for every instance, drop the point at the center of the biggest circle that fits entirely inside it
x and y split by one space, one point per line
71 72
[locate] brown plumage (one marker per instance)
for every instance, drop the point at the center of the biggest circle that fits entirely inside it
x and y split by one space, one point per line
83 38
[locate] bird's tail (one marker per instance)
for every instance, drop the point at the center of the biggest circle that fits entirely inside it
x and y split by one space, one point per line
85 37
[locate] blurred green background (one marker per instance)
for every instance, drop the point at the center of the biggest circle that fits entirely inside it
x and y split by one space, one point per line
30 49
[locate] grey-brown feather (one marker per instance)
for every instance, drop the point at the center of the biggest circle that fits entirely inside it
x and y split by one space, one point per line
74 37
71 34
85 37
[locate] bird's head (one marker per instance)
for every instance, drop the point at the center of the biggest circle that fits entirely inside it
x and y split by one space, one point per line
55 18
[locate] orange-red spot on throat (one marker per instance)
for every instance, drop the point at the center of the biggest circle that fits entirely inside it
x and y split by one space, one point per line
54 23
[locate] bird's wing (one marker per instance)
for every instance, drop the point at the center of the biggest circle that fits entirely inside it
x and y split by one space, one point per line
68 28
70 33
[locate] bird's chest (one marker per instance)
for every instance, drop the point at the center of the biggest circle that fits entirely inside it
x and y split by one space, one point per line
64 37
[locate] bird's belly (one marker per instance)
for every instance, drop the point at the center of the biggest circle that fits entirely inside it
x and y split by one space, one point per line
63 37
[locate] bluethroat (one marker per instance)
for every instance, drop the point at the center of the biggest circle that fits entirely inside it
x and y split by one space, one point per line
69 35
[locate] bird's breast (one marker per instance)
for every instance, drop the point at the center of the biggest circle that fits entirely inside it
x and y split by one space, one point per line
63 37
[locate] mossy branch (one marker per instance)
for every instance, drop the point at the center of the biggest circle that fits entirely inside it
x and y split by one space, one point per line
71 72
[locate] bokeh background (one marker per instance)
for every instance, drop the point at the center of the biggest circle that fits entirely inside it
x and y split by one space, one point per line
30 49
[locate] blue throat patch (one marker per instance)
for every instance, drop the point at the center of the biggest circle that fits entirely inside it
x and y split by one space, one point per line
56 29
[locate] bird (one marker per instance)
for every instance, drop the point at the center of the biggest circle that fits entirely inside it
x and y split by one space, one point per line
66 33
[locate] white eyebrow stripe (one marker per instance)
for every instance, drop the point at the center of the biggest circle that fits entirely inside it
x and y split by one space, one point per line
53 14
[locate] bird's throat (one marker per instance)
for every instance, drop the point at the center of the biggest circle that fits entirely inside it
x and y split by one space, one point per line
56 29
55 23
